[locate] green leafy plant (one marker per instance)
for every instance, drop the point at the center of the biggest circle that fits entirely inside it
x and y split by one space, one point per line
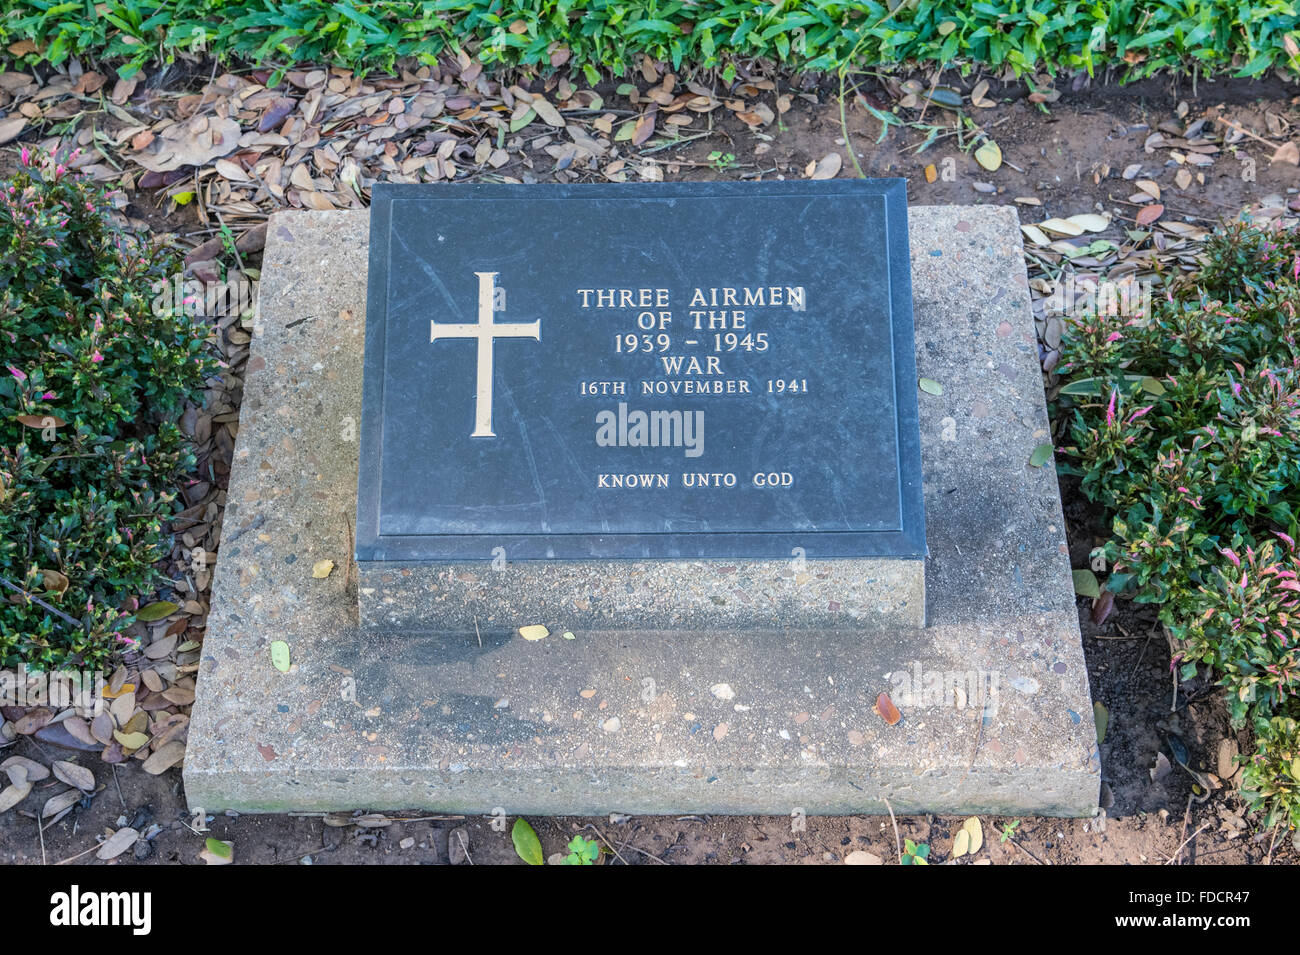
821 35
527 846
1008 831
1271 777
93 381
914 854
1184 424
722 161
582 851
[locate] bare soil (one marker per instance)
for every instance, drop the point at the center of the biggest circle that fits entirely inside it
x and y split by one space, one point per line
1069 156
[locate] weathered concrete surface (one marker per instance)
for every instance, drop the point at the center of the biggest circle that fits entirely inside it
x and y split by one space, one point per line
648 721
644 594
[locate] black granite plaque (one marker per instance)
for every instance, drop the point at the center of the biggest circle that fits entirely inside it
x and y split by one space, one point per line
689 370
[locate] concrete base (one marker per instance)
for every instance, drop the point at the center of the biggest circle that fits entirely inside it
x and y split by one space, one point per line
644 594
994 693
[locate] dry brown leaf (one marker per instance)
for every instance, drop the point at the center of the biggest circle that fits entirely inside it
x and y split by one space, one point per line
828 167
11 128
1287 152
117 843
181 696
1149 214
230 170
886 709
1102 606
194 142
21 769
123 89
74 775
64 800
33 720
101 727
547 112
1061 227
11 796
79 729
1151 188
165 757
645 127
316 200
54 581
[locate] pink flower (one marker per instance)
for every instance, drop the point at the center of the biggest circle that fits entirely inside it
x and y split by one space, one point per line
1236 561
96 356
1290 542
26 156
17 374
1110 408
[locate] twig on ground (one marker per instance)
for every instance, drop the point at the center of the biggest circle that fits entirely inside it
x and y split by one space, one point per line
1187 840
42 604
1168 206
1268 859
463 844
118 783
610 845
898 843
844 129
1141 656
1028 853
670 144
1245 132
78 855
648 855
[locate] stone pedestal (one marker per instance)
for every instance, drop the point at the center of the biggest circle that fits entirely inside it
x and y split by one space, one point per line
669 717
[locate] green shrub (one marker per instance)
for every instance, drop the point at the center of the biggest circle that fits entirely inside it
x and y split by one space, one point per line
807 34
1271 778
1185 426
92 383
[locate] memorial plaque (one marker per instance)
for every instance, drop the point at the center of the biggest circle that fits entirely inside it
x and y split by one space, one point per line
719 370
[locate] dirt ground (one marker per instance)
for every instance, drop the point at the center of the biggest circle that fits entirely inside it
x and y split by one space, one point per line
1069 155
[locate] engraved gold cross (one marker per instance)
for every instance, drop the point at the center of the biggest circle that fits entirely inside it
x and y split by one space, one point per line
486 331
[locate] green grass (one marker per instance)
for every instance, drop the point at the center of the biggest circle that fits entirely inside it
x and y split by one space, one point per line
1242 37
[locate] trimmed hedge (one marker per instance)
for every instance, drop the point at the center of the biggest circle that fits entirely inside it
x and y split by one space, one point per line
1184 424
92 381
820 35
